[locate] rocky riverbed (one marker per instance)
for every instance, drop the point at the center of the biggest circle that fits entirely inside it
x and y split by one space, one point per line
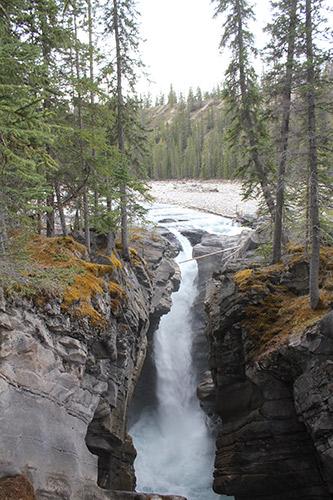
218 197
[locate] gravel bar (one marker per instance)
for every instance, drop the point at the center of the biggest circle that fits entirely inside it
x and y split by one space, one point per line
217 197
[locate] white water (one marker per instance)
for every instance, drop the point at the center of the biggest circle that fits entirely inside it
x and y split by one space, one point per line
175 448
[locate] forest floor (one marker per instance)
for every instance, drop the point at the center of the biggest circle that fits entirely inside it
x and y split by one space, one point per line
216 196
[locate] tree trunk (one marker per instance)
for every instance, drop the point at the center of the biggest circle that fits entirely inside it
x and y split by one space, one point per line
307 213
91 52
50 215
86 223
248 124
77 217
3 230
60 209
92 94
313 164
46 51
80 124
110 236
120 133
284 134
39 224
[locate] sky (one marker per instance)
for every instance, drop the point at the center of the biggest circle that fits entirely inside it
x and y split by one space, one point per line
182 44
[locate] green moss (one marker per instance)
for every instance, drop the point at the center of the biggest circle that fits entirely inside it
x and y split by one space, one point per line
278 312
57 268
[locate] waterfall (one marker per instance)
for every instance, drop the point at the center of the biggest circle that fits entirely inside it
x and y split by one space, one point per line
175 448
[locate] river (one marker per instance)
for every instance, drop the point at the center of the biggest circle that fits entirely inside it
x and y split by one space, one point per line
175 447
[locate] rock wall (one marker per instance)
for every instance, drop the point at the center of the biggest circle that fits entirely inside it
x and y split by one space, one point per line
66 384
204 244
273 389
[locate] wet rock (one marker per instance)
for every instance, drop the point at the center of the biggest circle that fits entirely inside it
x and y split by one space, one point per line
206 388
194 235
214 240
176 246
167 221
261 236
206 393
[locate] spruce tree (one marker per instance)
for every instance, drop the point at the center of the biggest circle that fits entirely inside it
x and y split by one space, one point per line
312 158
241 88
24 130
282 47
121 21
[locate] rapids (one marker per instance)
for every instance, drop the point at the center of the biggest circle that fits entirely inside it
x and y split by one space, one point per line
175 447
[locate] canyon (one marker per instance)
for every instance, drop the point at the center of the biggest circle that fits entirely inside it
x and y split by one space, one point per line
263 366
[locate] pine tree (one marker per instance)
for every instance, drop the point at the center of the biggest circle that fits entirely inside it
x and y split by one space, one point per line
283 41
121 20
241 88
24 131
313 159
172 97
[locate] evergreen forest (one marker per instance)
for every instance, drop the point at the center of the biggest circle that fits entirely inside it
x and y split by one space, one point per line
78 144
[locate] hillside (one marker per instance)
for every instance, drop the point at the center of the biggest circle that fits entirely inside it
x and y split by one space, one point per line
187 139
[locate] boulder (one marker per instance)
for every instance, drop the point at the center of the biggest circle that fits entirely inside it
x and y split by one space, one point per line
194 235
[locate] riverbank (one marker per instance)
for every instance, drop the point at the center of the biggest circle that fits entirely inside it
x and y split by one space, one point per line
218 196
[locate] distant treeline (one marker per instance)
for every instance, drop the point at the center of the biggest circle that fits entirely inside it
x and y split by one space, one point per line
188 136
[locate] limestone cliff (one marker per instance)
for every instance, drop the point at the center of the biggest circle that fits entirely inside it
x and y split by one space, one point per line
272 365
69 365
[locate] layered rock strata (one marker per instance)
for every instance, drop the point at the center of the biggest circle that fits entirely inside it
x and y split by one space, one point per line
272 367
208 246
66 381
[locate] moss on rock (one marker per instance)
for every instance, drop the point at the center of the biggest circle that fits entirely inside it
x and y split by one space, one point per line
273 309
59 268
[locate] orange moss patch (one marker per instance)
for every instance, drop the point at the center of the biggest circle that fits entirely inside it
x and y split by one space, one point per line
256 279
326 258
242 277
136 234
115 262
16 488
58 267
86 310
82 289
78 297
135 258
294 248
57 251
281 313
116 290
